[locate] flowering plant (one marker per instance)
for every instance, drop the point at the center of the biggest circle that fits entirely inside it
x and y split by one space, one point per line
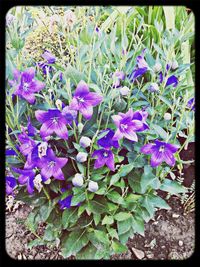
92 142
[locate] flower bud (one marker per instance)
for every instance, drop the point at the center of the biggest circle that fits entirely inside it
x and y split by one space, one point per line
85 141
174 65
124 91
80 127
157 67
167 116
78 180
81 157
93 186
59 104
153 87
48 181
42 149
37 182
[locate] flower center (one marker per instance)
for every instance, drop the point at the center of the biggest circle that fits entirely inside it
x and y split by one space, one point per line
162 149
80 99
51 164
105 154
25 86
124 126
55 120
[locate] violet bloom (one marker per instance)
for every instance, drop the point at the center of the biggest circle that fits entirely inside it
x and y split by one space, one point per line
31 129
191 104
106 141
69 114
10 185
26 177
65 203
26 85
50 58
160 151
104 157
50 166
11 152
171 80
52 122
141 67
141 115
27 144
117 77
127 126
84 100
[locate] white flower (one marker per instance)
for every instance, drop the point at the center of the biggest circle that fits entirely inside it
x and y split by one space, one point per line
37 182
78 180
42 149
93 186
167 116
174 65
69 18
124 91
81 156
80 127
58 104
153 87
85 141
157 67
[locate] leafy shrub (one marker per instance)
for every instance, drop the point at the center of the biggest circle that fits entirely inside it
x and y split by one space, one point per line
92 140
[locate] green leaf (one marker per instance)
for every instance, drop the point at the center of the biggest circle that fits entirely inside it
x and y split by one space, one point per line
87 253
115 197
148 179
35 242
78 198
49 233
75 75
101 236
169 17
172 187
98 206
74 243
125 169
45 211
114 179
97 218
159 202
138 225
160 131
124 226
118 247
69 216
113 233
107 220
121 216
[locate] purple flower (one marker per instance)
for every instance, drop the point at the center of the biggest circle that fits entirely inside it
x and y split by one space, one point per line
104 157
106 141
141 67
27 144
160 151
127 126
65 203
191 104
49 57
10 185
117 77
52 121
45 67
38 152
84 100
31 130
26 177
69 114
172 80
141 115
25 84
50 165
11 152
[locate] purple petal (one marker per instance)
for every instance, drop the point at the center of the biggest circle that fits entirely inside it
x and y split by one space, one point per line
30 185
173 148
118 135
87 111
47 172
61 162
116 119
28 75
172 80
82 89
137 73
29 97
49 57
22 179
169 158
160 77
131 135
74 104
148 148
61 130
93 99
46 129
58 174
110 162
41 115
36 86
156 158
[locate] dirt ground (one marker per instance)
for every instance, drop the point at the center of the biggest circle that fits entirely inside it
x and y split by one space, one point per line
169 236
